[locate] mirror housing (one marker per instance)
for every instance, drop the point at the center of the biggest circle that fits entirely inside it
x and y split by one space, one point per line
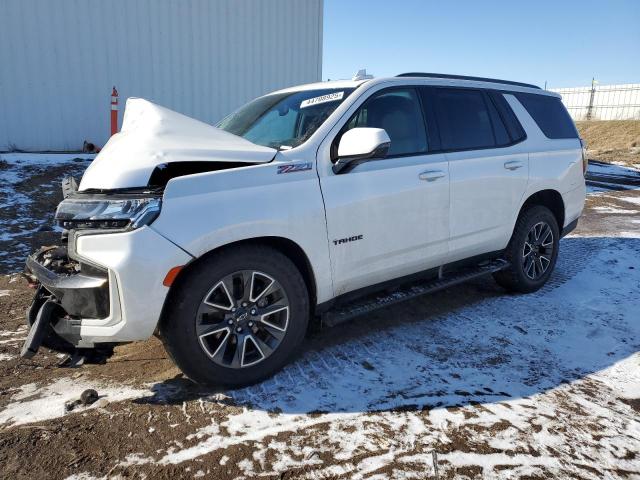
360 145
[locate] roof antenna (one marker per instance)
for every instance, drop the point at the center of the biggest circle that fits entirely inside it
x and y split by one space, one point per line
361 75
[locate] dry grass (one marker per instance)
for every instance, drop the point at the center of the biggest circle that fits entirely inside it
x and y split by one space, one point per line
610 135
612 141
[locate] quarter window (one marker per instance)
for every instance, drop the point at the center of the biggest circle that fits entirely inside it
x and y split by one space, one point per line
463 119
550 115
398 112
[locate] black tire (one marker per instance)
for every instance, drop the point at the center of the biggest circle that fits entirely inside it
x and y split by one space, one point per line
516 277
178 329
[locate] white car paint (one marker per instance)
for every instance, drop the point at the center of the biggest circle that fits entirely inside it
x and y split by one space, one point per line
413 212
362 141
152 135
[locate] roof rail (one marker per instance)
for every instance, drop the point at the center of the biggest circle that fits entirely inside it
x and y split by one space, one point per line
463 77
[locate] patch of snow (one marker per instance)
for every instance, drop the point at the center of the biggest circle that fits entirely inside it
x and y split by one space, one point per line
8 336
634 200
613 210
18 194
612 169
83 476
37 403
44 158
134 459
5 293
5 356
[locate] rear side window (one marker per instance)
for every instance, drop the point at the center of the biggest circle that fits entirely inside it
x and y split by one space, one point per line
511 122
499 130
550 115
463 119
398 112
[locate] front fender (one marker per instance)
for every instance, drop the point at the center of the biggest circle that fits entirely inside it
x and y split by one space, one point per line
209 210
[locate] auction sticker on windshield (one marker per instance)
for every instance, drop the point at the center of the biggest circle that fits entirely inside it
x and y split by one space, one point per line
329 97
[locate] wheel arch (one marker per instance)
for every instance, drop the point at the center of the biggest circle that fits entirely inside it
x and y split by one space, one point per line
286 246
552 199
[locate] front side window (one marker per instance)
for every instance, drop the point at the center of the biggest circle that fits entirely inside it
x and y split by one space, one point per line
398 112
284 120
463 119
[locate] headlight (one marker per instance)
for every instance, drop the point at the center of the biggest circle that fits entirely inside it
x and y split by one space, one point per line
107 212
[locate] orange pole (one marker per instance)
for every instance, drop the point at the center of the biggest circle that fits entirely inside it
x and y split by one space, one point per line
114 111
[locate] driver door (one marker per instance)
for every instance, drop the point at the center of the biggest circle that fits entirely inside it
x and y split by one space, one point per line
387 218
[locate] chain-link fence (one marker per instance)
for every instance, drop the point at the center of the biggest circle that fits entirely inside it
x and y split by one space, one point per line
602 102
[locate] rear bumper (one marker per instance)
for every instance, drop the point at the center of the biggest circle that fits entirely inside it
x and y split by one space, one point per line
110 287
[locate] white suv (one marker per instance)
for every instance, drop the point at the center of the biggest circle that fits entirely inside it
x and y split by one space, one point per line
225 241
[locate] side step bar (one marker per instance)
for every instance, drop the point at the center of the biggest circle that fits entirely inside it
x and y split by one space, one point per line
371 303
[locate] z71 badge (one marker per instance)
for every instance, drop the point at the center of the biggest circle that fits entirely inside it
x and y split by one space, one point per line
296 167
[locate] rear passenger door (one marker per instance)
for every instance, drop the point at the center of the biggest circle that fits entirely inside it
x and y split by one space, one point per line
488 167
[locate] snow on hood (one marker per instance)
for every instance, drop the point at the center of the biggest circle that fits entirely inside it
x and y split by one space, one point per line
152 135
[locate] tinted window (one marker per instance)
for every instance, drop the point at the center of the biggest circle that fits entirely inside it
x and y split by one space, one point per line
463 119
499 130
399 113
516 132
550 115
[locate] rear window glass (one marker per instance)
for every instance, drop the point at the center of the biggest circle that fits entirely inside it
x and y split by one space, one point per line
463 119
550 115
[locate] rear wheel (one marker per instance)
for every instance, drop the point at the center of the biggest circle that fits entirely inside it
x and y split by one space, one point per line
237 317
532 251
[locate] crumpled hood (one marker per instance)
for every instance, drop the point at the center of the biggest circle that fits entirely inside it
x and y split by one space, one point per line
152 135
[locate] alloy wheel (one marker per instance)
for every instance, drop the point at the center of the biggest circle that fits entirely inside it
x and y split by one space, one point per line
537 252
243 319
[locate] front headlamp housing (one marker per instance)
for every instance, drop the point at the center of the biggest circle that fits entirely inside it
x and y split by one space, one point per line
107 211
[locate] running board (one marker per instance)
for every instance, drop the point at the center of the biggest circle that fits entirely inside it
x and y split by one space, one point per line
370 303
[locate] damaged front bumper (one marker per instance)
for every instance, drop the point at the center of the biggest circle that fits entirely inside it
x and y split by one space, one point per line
67 291
105 288
81 290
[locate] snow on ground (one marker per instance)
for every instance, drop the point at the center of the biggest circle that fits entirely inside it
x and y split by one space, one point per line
29 190
35 403
612 169
521 364
603 177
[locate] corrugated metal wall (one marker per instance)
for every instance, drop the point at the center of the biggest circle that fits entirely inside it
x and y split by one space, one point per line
59 60
602 102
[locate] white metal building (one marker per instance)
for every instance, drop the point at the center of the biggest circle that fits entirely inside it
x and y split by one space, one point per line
59 60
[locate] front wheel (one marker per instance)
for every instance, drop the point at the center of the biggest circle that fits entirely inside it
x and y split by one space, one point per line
237 317
532 251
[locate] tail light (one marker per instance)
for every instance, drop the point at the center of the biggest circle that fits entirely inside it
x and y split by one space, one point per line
585 160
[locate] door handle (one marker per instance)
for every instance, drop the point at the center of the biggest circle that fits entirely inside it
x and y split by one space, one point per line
513 165
431 175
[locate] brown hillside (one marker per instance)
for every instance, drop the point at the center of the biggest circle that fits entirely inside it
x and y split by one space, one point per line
612 141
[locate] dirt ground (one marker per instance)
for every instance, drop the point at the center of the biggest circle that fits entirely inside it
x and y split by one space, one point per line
614 141
468 383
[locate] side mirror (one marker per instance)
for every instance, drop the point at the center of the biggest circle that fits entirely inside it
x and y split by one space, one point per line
360 145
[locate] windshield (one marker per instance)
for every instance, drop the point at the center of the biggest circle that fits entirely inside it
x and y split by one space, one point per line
284 120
